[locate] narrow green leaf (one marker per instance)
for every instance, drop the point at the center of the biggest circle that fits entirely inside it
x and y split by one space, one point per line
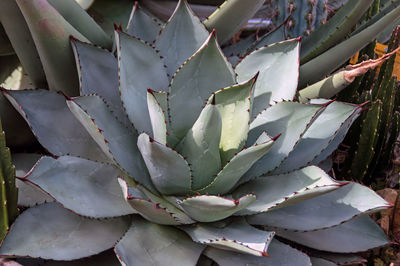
201 75
75 15
327 210
42 110
315 69
180 37
278 65
138 62
51 32
169 171
334 30
159 245
64 235
200 146
231 16
236 235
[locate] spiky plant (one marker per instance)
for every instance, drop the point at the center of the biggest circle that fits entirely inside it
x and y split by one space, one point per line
171 153
8 190
377 134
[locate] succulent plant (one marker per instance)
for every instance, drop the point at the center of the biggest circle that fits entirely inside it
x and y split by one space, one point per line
8 189
170 153
376 135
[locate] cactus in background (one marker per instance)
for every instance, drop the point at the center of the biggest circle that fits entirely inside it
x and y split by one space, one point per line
372 138
8 190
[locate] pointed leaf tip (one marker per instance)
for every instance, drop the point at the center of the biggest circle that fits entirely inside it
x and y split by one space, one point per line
276 137
65 95
213 99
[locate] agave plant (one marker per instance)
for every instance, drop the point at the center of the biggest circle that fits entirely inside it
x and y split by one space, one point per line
170 153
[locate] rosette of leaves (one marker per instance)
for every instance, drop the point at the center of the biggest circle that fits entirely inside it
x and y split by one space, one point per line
170 153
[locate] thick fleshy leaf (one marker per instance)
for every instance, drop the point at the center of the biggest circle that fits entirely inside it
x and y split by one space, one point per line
28 194
338 138
140 68
324 211
200 146
237 236
341 258
205 208
151 207
110 13
24 162
290 119
181 36
117 141
231 173
299 185
147 243
319 135
321 262
234 104
63 236
21 39
162 100
278 65
106 258
202 74
157 118
231 16
357 235
42 110
169 171
50 32
82 22
87 188
279 255
98 74
143 25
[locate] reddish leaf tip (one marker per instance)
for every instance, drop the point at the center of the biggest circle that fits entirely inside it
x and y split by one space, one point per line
328 103
65 95
276 137
213 99
265 254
